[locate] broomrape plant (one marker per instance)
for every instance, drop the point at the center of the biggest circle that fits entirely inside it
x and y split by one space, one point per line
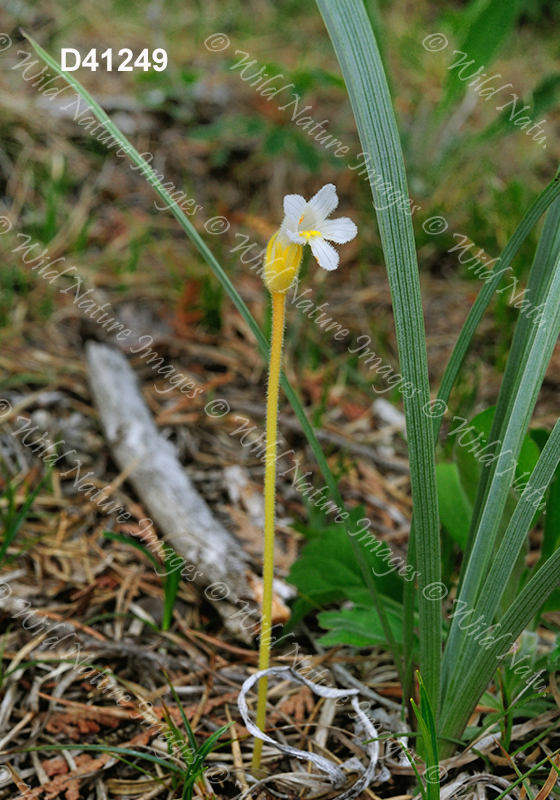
497 521
303 223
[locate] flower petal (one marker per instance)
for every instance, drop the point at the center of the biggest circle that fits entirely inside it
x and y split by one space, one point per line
324 202
293 206
339 230
325 253
293 236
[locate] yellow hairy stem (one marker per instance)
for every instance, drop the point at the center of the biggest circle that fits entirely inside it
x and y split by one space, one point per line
277 337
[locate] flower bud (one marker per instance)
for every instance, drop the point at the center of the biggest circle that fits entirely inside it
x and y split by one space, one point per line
281 263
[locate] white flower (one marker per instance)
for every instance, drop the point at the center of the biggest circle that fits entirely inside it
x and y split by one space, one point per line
307 222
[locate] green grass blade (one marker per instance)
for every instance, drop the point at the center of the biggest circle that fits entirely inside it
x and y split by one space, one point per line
120 537
428 717
535 212
212 740
535 768
510 547
538 284
189 731
410 757
525 392
107 748
427 725
358 55
171 583
531 350
489 27
476 677
222 276
13 529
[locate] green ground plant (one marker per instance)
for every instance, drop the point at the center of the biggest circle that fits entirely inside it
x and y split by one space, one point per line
170 579
14 514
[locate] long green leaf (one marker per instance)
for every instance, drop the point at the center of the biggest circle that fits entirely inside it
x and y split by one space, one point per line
456 711
516 388
354 42
427 726
504 561
525 392
488 30
540 276
487 291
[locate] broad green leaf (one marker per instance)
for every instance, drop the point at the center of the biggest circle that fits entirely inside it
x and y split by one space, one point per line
358 626
454 507
327 570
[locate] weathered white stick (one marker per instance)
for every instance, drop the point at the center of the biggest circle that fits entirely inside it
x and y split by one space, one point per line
164 488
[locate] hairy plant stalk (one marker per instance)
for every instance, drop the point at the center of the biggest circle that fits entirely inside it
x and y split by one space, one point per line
276 341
